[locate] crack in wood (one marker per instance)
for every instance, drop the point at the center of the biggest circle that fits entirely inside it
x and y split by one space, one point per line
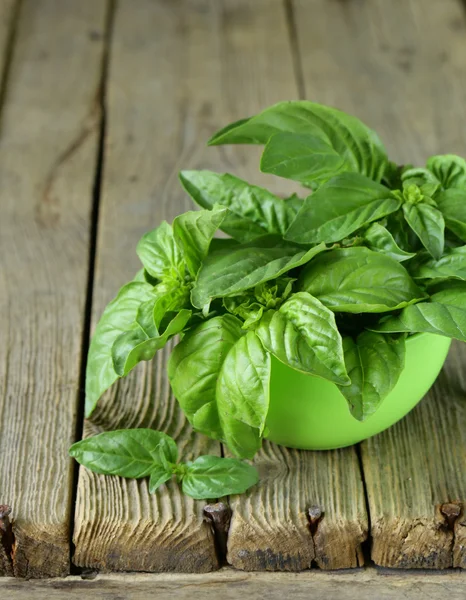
218 515
7 538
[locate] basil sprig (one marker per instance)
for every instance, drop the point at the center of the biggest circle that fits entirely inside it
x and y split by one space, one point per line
330 283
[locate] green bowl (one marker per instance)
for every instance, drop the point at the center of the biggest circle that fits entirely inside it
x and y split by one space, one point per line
310 413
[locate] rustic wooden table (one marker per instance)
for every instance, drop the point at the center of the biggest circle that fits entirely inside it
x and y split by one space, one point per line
102 103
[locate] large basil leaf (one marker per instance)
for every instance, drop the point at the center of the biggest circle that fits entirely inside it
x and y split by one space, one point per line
449 169
428 224
243 384
304 158
452 264
359 146
303 335
340 207
374 362
452 204
214 477
379 239
134 346
253 211
159 253
230 272
117 318
193 233
130 453
358 280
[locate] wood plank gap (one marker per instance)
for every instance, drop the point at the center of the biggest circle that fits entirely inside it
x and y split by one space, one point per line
295 52
367 543
93 232
9 47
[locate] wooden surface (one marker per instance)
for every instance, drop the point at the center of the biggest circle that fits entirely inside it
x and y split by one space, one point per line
363 584
173 72
47 162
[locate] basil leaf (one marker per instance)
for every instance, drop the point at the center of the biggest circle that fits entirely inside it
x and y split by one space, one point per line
243 383
428 224
452 204
304 158
358 280
374 362
420 177
193 233
134 346
303 335
379 239
449 169
158 477
340 207
359 146
117 318
160 255
230 272
214 477
253 211
452 264
294 204
130 453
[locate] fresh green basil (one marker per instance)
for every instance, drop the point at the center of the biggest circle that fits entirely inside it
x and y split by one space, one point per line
230 272
127 452
118 318
214 477
428 224
340 207
303 335
352 140
374 363
452 204
452 264
304 158
160 255
449 169
294 204
378 238
194 232
358 280
253 211
158 476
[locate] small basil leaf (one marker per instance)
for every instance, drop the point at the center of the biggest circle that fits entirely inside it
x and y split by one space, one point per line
421 177
214 477
358 280
379 239
130 453
117 318
294 204
304 158
134 346
449 169
374 362
243 383
194 366
428 224
452 204
160 255
452 264
253 211
359 146
340 207
158 477
193 233
229 272
303 334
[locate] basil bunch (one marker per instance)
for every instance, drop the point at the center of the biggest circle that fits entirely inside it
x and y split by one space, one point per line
329 285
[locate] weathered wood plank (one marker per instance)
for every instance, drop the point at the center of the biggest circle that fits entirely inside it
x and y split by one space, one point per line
47 160
8 14
230 585
179 71
399 65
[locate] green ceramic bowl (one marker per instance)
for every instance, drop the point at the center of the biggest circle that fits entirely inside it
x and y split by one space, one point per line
310 413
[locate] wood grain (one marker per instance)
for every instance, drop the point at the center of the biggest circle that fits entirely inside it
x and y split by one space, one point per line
308 508
400 66
363 584
47 158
